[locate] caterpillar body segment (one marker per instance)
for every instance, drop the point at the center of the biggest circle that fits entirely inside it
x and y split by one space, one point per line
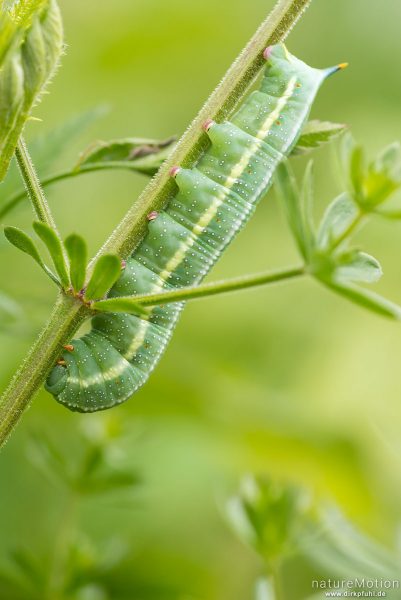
214 200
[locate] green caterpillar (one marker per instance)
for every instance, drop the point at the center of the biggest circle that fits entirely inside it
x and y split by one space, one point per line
214 200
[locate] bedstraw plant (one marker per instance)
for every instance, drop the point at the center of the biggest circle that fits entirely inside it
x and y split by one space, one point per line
30 48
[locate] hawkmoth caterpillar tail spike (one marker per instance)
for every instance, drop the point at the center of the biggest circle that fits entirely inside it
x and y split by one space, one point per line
336 68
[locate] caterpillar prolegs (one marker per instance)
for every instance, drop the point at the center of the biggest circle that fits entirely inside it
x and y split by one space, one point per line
214 200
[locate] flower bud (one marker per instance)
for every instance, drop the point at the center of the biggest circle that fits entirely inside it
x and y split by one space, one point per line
27 67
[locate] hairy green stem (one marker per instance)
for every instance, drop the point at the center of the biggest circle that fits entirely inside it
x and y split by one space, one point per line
205 290
16 198
66 317
32 185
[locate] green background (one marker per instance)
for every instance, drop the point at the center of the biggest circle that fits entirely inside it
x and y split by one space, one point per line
290 381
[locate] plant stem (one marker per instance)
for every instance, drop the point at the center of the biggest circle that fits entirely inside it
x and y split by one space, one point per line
16 198
208 289
32 185
66 317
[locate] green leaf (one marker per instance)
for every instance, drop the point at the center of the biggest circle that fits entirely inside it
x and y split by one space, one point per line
144 155
21 12
15 18
8 30
50 238
122 304
106 272
366 299
78 254
358 267
267 515
27 67
338 217
11 105
317 133
383 177
23 242
374 184
389 160
289 194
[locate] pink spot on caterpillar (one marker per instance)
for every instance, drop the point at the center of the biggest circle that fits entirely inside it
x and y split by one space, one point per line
174 171
208 124
152 215
69 347
123 264
61 362
267 52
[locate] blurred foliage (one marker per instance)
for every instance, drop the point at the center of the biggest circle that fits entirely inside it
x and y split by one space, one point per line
292 381
279 520
74 567
326 249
